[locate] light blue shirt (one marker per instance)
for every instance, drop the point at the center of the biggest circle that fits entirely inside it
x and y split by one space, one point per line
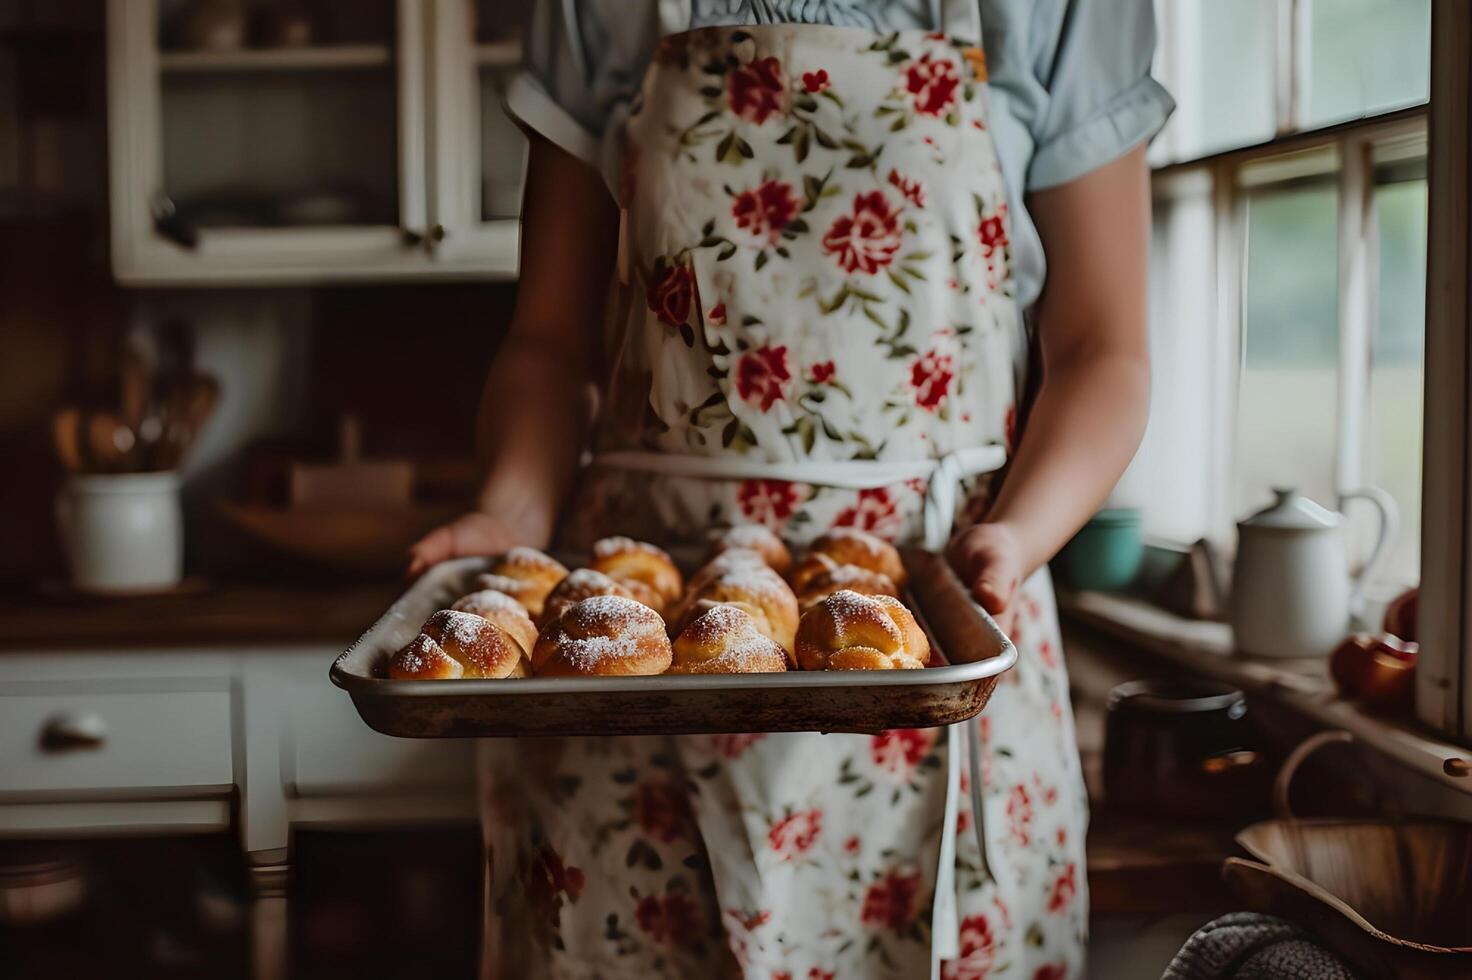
1070 83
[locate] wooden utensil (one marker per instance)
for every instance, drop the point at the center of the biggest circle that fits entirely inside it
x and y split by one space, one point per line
110 443
66 435
137 383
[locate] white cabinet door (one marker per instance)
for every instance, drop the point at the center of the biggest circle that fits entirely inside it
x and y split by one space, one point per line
477 154
307 163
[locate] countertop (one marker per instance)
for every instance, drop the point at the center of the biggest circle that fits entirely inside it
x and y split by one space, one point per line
219 614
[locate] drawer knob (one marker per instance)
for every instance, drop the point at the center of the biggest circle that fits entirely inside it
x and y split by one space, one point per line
73 730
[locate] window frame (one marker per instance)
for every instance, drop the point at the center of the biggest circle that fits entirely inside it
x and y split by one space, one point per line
1444 680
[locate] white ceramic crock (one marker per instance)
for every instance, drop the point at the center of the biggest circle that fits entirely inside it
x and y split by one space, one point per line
1292 591
122 532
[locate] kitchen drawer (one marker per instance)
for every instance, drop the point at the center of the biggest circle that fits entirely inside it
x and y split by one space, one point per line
64 741
331 752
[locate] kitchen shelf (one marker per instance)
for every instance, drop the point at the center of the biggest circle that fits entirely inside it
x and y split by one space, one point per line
498 54
321 58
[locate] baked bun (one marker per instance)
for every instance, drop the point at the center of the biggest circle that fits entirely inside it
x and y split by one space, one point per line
850 546
850 577
533 574
756 538
456 644
646 571
755 589
505 612
580 584
848 631
725 640
605 636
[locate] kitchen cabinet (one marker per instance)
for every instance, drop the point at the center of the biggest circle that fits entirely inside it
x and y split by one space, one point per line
371 147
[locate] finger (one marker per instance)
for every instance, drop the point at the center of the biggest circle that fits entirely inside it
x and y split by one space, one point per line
433 548
994 589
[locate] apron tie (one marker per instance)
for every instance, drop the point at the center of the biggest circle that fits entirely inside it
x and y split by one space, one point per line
944 479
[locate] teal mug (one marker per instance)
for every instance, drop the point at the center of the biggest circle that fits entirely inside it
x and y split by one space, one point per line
1105 555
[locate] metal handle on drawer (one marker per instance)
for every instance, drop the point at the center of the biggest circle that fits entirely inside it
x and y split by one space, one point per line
73 730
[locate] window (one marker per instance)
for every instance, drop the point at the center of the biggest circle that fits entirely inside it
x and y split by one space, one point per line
1365 57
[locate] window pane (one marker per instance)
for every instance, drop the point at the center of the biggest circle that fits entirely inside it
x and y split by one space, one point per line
1288 397
1218 55
1366 56
1396 371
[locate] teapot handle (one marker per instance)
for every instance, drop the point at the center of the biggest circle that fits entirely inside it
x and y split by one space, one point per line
1389 524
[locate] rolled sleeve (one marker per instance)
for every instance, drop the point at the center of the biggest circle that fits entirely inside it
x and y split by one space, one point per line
584 62
1102 101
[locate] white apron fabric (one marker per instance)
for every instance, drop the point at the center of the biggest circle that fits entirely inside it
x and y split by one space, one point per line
816 295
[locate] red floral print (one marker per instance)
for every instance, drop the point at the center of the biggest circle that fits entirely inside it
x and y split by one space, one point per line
866 240
978 951
765 210
933 83
873 510
1009 429
815 973
782 975
992 232
851 846
550 881
762 376
671 918
662 810
900 750
732 745
1051 971
756 89
931 376
890 901
815 81
769 502
670 294
1046 653
796 834
1019 815
717 314
1064 888
911 188
822 372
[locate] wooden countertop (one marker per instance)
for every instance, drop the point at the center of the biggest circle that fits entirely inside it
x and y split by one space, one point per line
220 614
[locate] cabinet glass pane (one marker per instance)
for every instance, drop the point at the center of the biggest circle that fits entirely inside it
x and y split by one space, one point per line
1397 366
1288 398
280 114
1366 56
1219 54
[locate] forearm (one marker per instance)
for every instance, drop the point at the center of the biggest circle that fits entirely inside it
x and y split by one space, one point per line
531 428
1082 432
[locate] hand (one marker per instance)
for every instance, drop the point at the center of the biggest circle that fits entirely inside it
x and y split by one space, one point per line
470 535
988 558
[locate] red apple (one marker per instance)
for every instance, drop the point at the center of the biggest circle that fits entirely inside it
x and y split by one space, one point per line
1401 615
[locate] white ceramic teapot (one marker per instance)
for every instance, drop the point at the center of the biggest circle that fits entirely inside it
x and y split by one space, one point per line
1292 591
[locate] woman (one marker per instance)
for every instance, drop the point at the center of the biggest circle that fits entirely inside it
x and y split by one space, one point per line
825 222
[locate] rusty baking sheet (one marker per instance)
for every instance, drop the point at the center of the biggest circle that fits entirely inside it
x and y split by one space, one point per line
862 701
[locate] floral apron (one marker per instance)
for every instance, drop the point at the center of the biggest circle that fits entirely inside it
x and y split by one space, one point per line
816 328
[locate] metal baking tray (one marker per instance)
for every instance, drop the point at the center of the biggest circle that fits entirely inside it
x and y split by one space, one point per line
863 701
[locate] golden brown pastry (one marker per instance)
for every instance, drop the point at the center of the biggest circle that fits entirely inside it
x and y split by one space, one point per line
850 546
848 631
752 587
725 640
756 538
456 644
646 571
580 584
526 575
505 612
851 577
605 636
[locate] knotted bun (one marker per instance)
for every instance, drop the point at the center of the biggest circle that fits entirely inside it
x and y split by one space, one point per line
455 644
850 546
839 577
525 574
724 639
580 584
756 538
848 631
752 587
605 636
646 571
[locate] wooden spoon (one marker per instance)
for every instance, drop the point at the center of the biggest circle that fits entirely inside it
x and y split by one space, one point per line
110 443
